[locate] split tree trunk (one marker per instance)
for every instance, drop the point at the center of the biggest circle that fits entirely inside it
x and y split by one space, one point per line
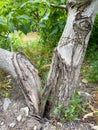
68 55
25 75
66 62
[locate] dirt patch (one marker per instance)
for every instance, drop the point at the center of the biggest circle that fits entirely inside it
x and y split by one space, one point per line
30 37
14 118
18 117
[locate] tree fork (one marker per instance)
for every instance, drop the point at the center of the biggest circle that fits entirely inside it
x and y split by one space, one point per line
67 59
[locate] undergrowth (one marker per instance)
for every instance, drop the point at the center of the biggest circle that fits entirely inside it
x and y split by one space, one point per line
75 109
39 54
90 66
4 85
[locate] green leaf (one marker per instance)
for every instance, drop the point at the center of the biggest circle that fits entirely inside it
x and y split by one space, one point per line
25 28
11 25
55 30
23 17
3 24
42 25
2 3
10 16
63 1
2 20
47 2
7 94
22 5
45 17
56 110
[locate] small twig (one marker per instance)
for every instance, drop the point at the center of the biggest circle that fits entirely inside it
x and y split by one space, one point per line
59 6
3 36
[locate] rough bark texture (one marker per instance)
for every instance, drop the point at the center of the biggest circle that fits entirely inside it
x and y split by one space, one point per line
66 62
25 75
68 55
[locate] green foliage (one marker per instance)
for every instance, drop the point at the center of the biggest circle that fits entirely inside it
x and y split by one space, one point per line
5 88
40 56
11 41
28 15
74 110
52 26
91 71
90 68
5 43
3 24
22 15
93 74
94 35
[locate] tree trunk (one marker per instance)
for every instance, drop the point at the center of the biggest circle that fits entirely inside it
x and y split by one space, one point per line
68 55
25 75
66 62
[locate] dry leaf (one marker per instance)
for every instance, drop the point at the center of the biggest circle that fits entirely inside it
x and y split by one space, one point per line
91 107
88 115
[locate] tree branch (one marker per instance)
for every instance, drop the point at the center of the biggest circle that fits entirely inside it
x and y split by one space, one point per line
59 6
25 75
3 36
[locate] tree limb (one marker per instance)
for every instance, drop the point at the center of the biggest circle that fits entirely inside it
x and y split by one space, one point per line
59 6
3 36
25 75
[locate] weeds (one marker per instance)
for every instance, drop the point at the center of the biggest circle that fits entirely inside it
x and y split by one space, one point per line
74 111
4 86
90 69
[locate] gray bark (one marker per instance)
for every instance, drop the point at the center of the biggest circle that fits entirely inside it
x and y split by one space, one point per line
68 55
67 59
25 75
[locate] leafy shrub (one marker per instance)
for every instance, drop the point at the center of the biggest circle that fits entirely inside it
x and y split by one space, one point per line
5 88
11 42
92 72
90 69
52 27
40 56
74 110
5 43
